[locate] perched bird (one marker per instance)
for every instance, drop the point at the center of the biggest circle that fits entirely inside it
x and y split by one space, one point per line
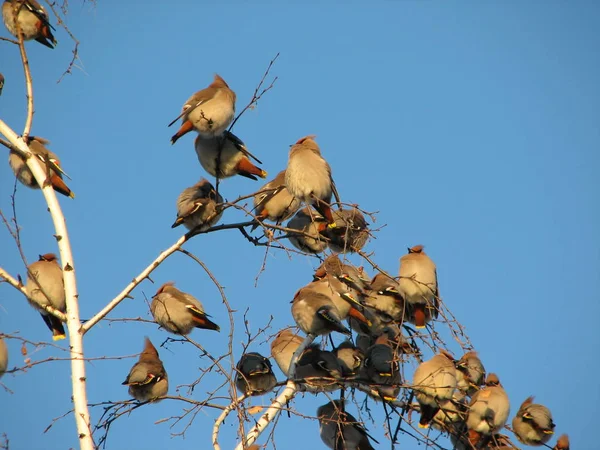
318 369
562 443
209 111
350 232
1 83
470 373
451 412
198 206
309 224
384 296
225 156
3 357
308 176
254 374
178 312
434 383
488 410
382 369
350 358
147 379
50 160
533 423
274 202
352 277
316 314
340 430
45 287
283 348
32 19
418 286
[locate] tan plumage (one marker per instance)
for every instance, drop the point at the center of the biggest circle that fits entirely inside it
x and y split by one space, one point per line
470 373
225 156
350 358
32 19
209 111
274 202
316 314
562 443
488 410
310 224
350 232
533 423
340 430
254 375
3 357
147 379
283 347
418 286
198 206
45 286
49 160
384 296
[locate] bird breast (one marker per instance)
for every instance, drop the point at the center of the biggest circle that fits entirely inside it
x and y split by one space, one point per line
306 174
207 151
27 21
49 283
212 117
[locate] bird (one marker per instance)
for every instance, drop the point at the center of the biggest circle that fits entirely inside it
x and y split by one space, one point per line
254 374
198 206
562 443
32 19
351 359
316 314
318 370
308 176
382 369
225 156
333 267
434 382
470 373
51 163
147 379
309 225
384 297
283 348
45 287
533 423
209 111
3 357
419 286
179 312
488 410
274 202
351 231
1 83
340 430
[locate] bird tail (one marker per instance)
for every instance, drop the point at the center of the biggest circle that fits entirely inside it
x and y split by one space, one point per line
185 128
419 315
56 326
249 170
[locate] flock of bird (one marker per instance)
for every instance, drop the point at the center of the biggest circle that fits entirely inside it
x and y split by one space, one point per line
452 394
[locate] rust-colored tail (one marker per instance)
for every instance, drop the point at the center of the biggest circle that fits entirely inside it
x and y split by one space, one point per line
246 169
59 186
185 128
419 315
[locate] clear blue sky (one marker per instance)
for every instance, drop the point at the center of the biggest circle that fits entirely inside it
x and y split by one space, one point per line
473 127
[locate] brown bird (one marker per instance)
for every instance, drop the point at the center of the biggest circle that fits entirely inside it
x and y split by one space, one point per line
340 430
309 224
225 156
274 202
45 286
470 373
1 83
350 358
319 370
3 357
488 410
209 111
418 286
308 176
254 374
283 348
350 232
533 423
50 160
384 296
562 443
316 314
147 379
32 19
178 312
198 206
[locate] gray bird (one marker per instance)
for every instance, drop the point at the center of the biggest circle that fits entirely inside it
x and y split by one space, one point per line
147 379
274 202
382 369
533 423
254 374
316 314
350 358
198 206
3 357
319 370
45 286
562 443
32 19
340 430
283 348
488 410
350 232
309 224
470 373
384 296
179 312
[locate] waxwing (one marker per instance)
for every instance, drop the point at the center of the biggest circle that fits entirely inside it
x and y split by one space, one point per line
384 296
562 443
45 286
178 312
308 176
470 373
309 224
209 111
340 430
350 358
316 314
32 19
533 423
418 286
274 202
147 379
254 374
225 156
382 369
319 370
283 348
1 83
488 410
198 206
50 160
434 383
333 267
3 357
350 232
